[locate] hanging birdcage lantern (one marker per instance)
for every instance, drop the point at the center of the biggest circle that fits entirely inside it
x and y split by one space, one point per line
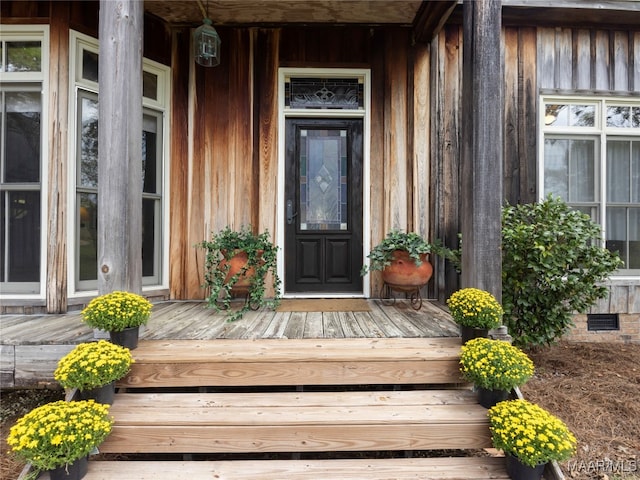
206 44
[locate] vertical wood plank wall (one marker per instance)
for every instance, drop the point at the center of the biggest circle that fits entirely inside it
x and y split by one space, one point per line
224 131
223 146
536 60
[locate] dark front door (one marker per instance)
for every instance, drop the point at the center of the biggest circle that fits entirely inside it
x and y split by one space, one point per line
323 202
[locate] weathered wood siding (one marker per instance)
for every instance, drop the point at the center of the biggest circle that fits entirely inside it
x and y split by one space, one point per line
537 60
224 133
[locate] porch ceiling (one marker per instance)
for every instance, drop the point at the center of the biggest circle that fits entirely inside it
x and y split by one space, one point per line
271 12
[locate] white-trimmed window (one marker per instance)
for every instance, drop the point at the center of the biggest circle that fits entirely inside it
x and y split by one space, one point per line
154 166
23 152
590 157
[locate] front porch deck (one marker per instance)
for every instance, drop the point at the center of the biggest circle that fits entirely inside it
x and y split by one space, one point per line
30 346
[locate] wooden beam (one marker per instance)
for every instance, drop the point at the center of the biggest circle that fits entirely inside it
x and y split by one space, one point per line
430 19
120 147
58 156
482 148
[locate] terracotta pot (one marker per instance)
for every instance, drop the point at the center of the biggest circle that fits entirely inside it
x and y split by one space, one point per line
236 263
403 272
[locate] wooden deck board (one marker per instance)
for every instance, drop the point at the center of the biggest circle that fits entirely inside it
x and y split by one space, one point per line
295 399
469 468
188 320
299 349
294 438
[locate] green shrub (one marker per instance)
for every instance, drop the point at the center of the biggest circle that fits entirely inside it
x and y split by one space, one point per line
553 265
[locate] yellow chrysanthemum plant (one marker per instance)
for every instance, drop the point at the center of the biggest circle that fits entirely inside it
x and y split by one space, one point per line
92 365
494 364
117 310
530 433
59 433
472 307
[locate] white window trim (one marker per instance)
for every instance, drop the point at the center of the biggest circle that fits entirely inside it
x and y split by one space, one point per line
365 114
162 104
600 129
35 32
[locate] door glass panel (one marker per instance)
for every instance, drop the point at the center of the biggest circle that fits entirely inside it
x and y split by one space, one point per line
22 145
323 180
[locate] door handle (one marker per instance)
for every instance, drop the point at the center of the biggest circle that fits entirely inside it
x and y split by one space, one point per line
290 214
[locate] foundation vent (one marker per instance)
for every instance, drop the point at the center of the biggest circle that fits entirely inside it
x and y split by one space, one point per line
603 321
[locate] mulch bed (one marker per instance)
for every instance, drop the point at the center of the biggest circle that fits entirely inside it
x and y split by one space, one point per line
595 389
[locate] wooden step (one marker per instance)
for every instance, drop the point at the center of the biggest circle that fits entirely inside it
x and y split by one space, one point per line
469 468
297 422
344 361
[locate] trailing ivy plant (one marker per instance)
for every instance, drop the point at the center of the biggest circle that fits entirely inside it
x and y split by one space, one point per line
261 256
381 255
553 264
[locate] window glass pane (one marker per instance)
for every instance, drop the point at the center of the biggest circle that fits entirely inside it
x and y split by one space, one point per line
3 229
88 139
23 237
1 60
150 139
619 117
618 171
150 207
556 167
583 115
24 56
582 183
334 93
634 238
635 172
88 236
570 115
569 169
22 148
89 65
150 85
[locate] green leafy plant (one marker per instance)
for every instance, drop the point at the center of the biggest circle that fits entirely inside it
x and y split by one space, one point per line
92 365
472 307
494 364
58 433
553 265
382 254
530 433
261 262
115 311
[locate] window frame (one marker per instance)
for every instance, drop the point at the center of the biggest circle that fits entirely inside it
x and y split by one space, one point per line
602 133
31 81
159 107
